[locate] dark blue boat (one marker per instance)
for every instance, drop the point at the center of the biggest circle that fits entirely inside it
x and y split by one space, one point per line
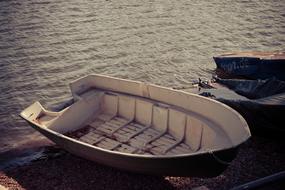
253 65
260 102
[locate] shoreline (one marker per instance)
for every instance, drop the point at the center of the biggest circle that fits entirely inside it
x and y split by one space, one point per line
258 157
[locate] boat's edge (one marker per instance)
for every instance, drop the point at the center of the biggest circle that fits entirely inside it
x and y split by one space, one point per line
255 54
144 90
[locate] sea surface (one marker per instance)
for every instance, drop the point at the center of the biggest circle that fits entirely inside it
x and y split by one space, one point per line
46 44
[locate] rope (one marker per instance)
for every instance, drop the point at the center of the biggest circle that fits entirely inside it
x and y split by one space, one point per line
218 159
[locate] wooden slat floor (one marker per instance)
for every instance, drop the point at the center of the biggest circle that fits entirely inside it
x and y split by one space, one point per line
118 134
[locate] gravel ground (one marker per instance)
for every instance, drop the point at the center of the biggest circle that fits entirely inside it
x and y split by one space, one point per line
257 158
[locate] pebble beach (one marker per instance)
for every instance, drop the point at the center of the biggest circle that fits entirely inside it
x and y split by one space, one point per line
258 157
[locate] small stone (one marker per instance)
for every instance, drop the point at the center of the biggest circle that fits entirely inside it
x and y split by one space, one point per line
3 188
200 188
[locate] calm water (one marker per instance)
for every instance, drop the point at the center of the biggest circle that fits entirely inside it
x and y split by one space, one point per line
44 45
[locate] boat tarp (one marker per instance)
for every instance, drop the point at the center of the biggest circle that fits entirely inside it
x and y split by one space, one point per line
260 102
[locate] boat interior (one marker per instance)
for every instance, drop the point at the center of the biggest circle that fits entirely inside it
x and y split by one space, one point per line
132 124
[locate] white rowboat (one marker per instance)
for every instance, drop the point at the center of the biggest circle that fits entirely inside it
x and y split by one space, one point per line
143 128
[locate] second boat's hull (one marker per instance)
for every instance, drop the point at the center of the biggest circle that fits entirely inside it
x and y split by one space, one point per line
200 165
252 67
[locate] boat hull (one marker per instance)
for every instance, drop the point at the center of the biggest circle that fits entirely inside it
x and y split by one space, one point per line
209 164
252 67
263 119
143 128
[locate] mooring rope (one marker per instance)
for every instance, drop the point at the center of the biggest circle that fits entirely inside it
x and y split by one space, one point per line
218 159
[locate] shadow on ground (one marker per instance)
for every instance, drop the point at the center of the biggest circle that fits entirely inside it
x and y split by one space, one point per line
259 157
71 172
